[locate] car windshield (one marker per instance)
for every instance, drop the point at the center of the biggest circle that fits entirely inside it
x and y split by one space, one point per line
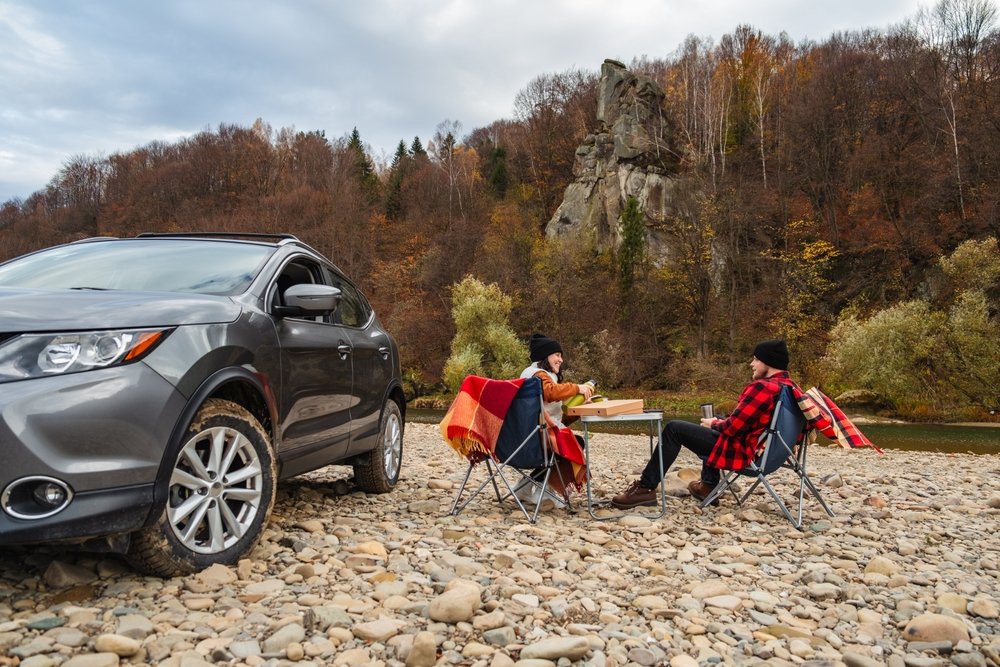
163 265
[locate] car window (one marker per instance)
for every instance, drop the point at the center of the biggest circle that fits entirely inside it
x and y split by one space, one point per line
354 310
162 265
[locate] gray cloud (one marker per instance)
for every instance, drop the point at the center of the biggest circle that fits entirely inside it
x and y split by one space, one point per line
99 77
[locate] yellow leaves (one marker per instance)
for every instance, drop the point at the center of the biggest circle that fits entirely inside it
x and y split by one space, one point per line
822 252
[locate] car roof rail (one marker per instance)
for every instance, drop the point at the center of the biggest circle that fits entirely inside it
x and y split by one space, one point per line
93 239
257 236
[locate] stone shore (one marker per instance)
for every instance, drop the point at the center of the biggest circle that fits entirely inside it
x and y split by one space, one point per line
906 573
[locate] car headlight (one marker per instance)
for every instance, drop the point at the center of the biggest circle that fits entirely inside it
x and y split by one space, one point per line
36 355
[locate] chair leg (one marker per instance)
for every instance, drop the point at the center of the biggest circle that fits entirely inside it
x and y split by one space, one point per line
801 462
816 494
493 473
491 478
756 482
458 496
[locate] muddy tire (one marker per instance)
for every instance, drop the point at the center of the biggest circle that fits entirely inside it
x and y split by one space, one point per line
378 472
219 495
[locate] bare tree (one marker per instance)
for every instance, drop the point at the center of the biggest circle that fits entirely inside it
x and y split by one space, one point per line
956 32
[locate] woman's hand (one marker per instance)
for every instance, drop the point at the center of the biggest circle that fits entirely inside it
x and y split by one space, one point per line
586 390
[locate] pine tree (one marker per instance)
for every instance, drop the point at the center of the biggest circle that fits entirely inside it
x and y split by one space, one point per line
632 246
364 169
496 172
417 148
394 188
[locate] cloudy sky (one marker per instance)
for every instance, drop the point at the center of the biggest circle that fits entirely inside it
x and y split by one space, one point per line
101 76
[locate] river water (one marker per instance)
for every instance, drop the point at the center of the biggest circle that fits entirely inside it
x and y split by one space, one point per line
910 437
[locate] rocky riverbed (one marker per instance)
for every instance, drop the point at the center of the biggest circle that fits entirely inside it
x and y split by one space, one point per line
906 573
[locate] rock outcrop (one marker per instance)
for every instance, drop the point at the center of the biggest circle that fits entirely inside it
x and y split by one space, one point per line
629 156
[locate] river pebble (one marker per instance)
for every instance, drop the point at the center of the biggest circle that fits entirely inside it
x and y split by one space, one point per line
905 573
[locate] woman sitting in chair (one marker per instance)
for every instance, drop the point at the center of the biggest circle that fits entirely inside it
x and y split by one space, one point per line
547 361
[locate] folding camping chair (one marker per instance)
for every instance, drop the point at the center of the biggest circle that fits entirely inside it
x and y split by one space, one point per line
777 449
521 447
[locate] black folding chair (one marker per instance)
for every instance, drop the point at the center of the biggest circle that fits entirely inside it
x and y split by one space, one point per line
778 450
522 448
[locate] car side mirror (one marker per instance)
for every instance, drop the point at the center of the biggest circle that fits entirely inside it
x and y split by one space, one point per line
308 299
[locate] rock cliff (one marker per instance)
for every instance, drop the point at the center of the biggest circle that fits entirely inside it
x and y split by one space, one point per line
629 155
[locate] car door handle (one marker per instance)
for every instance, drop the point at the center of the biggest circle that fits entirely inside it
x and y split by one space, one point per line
344 351
384 351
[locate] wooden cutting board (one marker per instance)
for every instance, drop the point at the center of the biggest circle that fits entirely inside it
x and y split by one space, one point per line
620 406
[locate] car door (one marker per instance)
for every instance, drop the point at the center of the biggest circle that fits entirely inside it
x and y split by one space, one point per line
371 352
317 374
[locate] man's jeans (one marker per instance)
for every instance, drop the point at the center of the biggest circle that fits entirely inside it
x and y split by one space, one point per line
677 434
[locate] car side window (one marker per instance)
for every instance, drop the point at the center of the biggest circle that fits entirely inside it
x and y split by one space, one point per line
354 310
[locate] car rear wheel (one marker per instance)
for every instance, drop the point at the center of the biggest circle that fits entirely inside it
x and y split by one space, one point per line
219 495
379 471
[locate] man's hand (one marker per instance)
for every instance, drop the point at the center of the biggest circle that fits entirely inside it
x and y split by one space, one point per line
707 421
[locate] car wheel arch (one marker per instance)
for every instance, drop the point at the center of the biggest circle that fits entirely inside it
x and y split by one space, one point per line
237 384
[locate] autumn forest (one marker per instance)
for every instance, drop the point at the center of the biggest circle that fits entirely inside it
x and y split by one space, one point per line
843 194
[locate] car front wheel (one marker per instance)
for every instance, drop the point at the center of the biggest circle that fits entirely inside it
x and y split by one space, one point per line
379 471
219 495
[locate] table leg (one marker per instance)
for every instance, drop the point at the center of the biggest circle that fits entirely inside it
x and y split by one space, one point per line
656 424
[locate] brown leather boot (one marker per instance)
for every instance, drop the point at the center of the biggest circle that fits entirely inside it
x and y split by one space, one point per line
700 490
635 495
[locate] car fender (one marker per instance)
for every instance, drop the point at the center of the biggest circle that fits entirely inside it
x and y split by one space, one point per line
207 389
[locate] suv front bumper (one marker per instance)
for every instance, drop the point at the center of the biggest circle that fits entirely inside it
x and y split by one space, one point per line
100 433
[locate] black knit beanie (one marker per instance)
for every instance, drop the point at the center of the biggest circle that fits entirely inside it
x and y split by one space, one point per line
541 346
774 353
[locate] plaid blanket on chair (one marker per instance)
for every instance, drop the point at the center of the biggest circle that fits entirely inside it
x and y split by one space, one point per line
472 424
823 414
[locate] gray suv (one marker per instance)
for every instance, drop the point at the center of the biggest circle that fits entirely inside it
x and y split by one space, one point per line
153 390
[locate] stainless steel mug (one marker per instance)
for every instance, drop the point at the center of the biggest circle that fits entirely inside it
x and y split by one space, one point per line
707 411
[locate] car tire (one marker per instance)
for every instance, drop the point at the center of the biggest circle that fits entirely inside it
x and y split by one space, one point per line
220 492
378 472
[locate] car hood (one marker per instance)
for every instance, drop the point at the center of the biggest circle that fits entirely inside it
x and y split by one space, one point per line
24 310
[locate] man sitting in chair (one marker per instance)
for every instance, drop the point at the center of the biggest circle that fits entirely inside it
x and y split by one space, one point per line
727 444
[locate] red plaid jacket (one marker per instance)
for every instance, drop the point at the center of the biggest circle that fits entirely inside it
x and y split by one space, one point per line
740 431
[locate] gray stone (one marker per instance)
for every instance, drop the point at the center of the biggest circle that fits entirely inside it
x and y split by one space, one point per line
93 660
245 648
500 636
972 659
553 648
943 647
38 661
858 660
46 623
327 617
378 630
285 635
135 626
63 575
